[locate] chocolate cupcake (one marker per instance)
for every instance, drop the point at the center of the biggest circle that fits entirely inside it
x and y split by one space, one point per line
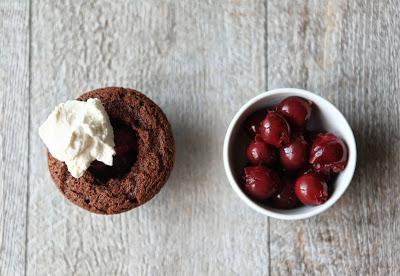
144 157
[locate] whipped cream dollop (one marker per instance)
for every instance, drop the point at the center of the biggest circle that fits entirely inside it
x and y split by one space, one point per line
78 133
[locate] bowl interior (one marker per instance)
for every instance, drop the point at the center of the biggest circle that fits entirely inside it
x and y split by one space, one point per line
324 117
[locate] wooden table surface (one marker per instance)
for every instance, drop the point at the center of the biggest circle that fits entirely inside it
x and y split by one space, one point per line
200 61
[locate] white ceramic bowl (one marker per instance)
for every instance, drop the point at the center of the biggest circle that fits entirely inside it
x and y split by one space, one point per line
325 116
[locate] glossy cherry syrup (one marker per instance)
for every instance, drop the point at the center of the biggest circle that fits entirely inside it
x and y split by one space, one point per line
285 198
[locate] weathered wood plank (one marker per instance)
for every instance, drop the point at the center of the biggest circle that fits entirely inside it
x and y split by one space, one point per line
347 51
14 120
200 60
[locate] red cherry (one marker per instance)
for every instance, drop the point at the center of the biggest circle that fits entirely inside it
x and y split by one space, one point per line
296 110
275 130
328 153
311 189
294 155
258 152
260 182
252 124
285 198
325 175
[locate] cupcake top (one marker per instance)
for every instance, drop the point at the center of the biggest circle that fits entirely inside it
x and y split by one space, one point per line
144 156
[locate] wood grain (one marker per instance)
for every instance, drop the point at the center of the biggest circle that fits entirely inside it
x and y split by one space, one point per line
200 61
346 51
14 119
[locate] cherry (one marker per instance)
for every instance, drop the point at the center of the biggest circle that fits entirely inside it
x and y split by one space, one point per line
328 153
325 175
311 189
294 155
285 198
296 110
258 152
252 123
311 156
275 130
260 182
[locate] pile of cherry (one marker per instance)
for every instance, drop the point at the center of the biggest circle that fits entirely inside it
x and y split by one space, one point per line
290 165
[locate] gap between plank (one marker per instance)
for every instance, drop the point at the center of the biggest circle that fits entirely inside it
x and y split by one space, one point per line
29 127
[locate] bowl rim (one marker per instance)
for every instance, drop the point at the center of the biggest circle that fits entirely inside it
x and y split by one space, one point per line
350 141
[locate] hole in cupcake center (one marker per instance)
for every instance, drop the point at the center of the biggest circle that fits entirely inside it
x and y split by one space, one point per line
126 149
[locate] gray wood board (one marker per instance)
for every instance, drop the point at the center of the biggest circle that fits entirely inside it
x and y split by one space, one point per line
14 120
187 56
200 61
348 52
